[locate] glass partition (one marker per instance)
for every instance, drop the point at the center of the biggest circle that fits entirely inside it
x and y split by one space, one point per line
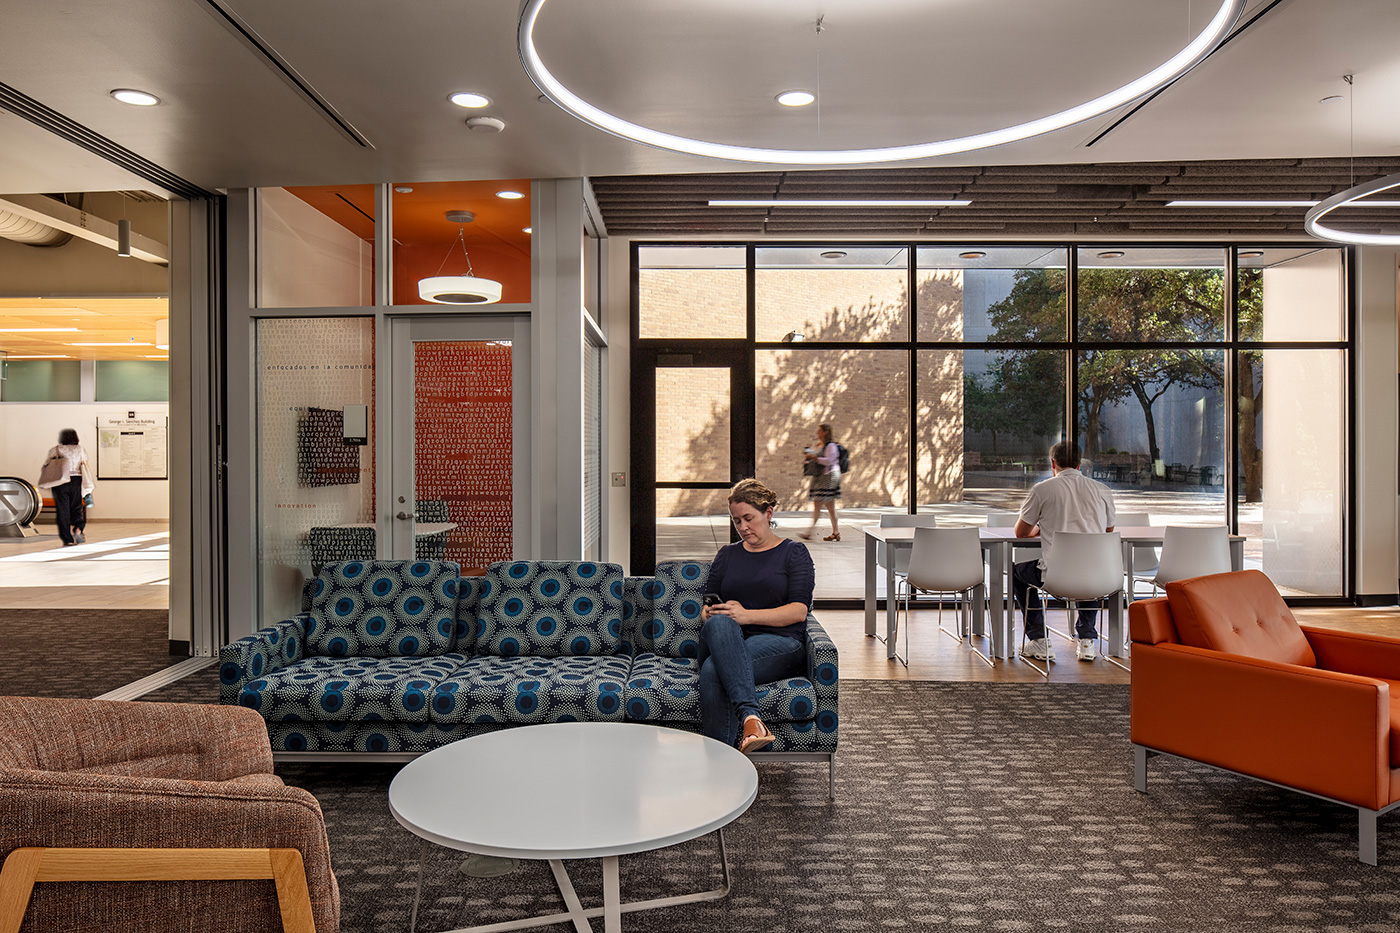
826 293
315 491
993 294
315 247
692 291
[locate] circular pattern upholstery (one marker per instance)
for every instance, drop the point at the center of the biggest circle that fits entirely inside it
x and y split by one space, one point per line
379 609
543 609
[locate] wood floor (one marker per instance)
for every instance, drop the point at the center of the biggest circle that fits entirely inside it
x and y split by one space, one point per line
122 565
935 656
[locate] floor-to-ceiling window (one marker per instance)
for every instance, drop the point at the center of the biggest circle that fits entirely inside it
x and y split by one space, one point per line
948 371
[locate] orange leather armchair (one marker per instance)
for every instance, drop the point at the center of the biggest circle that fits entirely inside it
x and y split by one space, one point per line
1224 675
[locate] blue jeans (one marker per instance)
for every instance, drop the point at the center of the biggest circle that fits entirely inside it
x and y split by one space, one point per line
1026 575
731 664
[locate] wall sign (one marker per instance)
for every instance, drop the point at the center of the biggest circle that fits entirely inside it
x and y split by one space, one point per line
131 447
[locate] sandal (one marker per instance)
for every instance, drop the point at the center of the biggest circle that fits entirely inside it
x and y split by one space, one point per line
834 536
756 736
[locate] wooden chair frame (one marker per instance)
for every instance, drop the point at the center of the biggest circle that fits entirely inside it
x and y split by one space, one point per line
24 866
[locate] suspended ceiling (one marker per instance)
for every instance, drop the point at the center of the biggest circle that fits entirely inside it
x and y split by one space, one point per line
49 328
369 103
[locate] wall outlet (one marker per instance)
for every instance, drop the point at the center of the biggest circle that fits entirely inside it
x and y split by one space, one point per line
619 479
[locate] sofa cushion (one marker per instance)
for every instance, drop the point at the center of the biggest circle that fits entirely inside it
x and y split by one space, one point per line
677 594
530 690
549 608
381 609
1238 613
350 689
790 700
663 689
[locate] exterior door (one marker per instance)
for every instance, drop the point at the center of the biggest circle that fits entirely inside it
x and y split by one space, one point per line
459 439
692 439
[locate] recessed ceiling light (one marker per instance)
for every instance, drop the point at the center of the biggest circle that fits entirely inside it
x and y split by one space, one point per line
469 99
795 98
1251 253
510 195
38 330
972 254
1209 38
129 95
404 189
1111 254
527 229
834 254
769 202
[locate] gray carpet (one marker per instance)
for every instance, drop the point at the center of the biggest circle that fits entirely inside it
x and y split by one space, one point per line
81 652
996 806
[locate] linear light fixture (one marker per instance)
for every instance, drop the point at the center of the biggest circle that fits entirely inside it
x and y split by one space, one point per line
1312 222
829 202
42 356
123 343
1280 203
1180 63
39 330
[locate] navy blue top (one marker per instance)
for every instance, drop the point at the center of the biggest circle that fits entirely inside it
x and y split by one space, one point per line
765 580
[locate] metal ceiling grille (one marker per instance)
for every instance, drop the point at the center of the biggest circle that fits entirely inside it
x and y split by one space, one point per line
1121 199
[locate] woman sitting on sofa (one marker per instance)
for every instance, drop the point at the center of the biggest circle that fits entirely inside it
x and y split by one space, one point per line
757 631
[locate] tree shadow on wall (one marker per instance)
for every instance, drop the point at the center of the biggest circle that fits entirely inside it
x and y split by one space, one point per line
863 392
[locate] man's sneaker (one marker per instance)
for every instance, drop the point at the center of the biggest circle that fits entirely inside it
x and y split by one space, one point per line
1039 649
1086 649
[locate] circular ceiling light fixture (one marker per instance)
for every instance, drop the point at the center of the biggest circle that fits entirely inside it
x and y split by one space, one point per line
527 229
1180 63
1348 198
404 189
510 195
129 95
972 254
1251 253
834 254
485 124
795 98
469 99
1111 254
466 289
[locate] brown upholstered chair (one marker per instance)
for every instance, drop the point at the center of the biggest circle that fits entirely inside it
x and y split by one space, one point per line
134 792
1223 674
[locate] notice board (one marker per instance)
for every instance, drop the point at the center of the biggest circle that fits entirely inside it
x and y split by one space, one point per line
132 446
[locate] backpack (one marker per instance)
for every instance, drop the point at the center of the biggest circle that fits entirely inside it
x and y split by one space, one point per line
843 459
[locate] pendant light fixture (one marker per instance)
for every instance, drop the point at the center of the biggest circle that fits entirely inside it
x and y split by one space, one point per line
466 289
1351 197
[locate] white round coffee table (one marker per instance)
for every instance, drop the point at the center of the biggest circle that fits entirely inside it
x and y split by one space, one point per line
576 790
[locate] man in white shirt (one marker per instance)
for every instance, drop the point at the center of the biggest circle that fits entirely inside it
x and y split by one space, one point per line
1067 501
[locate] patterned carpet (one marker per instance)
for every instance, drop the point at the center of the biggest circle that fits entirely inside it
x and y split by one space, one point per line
1003 807
54 652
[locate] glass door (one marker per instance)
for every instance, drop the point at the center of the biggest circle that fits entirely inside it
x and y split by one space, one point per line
459 436
693 438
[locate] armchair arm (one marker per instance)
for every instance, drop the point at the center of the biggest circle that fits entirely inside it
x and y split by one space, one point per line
59 810
259 654
1355 653
190 740
823 671
1319 731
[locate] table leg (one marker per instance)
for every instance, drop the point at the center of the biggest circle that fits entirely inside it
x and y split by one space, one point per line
1237 555
870 550
891 606
1128 557
1001 631
612 908
1115 625
566 889
979 614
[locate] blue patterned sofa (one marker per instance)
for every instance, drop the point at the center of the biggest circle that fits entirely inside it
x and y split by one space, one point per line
396 658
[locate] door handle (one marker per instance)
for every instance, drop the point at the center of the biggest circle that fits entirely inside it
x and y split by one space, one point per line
403 515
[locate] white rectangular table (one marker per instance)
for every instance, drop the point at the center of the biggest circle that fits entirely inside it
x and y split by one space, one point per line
998 543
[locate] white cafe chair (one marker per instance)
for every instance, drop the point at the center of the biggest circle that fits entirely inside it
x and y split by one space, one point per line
1192 552
902 555
1145 559
1082 567
944 561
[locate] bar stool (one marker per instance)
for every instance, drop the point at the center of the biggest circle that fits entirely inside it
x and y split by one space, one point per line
944 560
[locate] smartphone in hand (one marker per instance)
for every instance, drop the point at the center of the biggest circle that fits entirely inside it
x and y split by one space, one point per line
712 599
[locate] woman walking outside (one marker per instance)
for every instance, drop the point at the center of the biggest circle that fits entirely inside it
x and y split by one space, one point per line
826 485
66 472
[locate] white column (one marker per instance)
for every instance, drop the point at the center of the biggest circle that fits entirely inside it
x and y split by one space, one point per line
1377 366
